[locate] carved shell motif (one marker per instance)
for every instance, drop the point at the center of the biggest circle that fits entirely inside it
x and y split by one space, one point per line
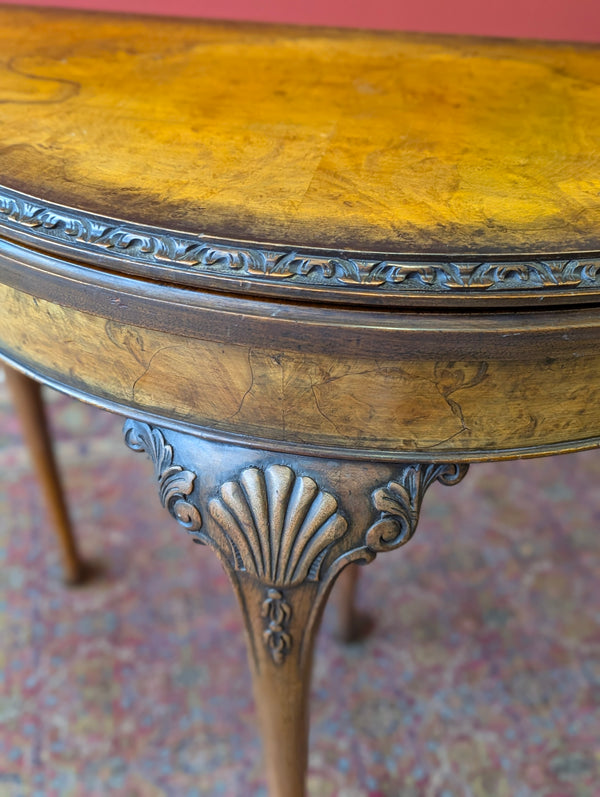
279 525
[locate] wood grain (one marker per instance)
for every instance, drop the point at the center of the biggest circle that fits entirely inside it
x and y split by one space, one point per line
311 137
404 405
283 534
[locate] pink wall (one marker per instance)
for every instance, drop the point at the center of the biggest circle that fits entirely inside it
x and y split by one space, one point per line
553 19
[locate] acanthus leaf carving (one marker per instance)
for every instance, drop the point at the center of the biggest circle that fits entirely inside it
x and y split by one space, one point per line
399 503
175 484
278 527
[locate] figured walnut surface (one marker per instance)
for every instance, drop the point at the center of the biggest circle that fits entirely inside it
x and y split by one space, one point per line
537 394
322 138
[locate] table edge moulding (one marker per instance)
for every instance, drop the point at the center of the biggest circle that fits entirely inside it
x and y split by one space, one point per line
317 271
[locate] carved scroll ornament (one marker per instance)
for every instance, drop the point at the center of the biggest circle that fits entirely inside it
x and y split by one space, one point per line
195 253
400 503
280 527
174 483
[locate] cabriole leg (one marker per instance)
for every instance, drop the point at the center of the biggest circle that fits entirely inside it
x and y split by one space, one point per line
284 528
28 404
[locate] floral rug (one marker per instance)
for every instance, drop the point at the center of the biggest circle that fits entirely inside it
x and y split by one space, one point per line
480 679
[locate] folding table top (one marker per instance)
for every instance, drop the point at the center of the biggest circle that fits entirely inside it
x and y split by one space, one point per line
336 164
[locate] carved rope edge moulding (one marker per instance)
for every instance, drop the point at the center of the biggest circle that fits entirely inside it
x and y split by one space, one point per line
279 525
193 253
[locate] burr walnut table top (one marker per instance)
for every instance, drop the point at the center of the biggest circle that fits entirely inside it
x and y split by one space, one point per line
318 142
320 240
322 138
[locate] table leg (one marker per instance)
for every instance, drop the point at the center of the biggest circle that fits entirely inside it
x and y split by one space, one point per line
281 634
352 623
284 528
28 404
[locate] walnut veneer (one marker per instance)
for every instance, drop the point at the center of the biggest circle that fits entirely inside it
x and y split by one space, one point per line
318 270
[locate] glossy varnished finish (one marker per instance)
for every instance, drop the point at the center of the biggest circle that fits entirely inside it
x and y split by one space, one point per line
336 265
312 137
391 147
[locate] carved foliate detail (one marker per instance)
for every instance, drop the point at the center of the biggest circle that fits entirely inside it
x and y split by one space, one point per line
399 503
277 613
175 484
279 525
195 253
281 537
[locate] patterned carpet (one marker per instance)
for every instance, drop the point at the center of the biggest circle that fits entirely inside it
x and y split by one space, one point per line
481 679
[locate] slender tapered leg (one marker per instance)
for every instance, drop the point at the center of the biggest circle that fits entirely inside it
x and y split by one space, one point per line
281 638
27 398
284 528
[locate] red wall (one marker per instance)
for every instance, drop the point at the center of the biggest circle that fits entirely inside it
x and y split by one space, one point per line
553 19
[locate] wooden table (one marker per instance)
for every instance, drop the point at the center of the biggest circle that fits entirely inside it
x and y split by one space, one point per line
318 270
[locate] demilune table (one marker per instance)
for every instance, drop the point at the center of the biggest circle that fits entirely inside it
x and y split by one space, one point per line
317 270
